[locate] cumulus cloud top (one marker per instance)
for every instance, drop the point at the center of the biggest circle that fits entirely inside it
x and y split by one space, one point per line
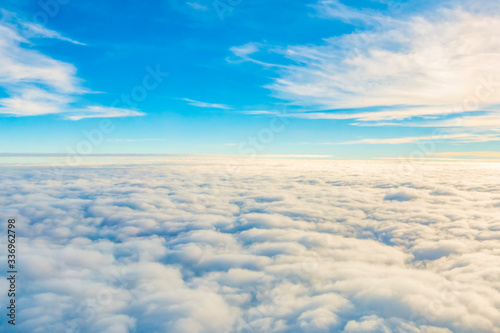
240 246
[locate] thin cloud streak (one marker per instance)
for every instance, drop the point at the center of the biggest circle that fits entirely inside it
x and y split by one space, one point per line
460 137
206 105
494 154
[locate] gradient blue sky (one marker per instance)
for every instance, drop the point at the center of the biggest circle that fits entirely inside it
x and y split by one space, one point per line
352 79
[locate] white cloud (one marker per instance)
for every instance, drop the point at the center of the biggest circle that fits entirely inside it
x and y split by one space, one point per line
197 6
32 30
335 9
23 67
488 121
493 154
390 113
32 101
244 51
206 105
102 112
134 140
420 66
38 31
436 62
268 246
459 137
261 112
37 84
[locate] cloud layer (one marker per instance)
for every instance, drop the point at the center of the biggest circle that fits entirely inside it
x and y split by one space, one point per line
256 246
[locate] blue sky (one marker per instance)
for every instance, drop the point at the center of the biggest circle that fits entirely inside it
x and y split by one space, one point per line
351 79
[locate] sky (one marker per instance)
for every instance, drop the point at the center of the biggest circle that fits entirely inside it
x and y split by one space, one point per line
352 79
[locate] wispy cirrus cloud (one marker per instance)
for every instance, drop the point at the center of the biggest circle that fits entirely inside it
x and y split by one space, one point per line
37 31
390 113
436 63
206 105
419 67
458 137
335 9
197 6
483 154
134 140
32 30
245 50
37 84
261 112
101 112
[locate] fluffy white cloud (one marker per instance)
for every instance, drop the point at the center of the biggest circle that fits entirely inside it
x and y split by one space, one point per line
273 246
